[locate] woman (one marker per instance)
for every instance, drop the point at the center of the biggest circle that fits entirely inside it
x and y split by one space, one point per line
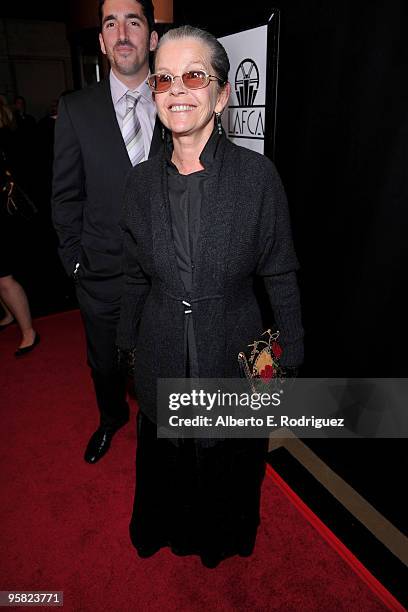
13 299
202 219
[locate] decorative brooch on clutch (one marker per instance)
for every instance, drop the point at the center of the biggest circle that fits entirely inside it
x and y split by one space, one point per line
262 367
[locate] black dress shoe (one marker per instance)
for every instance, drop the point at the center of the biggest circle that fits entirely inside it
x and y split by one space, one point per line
99 442
27 349
98 445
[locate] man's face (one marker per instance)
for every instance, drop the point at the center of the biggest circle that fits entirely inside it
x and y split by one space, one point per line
125 38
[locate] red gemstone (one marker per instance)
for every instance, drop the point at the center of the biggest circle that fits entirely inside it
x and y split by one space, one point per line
267 373
276 349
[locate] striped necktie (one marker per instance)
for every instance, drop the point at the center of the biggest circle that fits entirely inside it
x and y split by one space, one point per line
131 131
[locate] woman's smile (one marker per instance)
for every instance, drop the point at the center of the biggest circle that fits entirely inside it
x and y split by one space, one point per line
179 108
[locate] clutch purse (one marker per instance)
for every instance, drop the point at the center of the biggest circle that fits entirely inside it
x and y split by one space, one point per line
262 368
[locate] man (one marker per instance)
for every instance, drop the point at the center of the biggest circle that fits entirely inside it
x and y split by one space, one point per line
101 132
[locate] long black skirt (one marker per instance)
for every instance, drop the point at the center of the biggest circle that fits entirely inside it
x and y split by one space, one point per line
196 499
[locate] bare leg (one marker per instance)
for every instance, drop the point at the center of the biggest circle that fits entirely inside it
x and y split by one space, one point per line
13 296
8 317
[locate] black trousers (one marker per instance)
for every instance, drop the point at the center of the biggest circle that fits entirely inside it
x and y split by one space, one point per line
100 320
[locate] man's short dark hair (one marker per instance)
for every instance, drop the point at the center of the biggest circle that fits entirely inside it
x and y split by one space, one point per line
147 8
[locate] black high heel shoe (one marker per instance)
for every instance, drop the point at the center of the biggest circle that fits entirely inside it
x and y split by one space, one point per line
27 349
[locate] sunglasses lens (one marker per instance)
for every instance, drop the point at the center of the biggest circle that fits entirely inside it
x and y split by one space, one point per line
160 82
194 79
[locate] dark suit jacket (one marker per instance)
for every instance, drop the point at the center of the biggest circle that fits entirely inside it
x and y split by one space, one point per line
90 167
244 231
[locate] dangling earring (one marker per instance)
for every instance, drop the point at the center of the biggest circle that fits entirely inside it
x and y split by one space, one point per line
218 122
162 133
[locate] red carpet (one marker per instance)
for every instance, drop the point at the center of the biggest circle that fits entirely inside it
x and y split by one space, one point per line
64 524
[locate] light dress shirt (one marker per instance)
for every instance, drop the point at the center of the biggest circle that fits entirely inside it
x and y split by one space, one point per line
145 108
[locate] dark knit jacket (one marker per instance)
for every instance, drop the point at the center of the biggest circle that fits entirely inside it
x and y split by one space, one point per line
244 231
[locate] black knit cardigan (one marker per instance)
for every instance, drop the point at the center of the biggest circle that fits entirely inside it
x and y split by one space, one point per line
244 231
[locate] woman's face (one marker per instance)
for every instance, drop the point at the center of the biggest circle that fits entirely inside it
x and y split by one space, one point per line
187 111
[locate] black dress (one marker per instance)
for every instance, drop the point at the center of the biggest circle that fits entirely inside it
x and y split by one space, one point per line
196 496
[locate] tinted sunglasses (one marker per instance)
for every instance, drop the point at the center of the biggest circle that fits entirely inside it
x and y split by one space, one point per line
193 79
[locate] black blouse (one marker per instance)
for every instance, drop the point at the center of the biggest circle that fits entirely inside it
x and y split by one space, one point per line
185 196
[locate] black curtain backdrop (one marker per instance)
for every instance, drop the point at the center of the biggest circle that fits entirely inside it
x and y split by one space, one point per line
341 151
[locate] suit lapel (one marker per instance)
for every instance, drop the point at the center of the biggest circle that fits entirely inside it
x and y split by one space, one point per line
157 141
108 119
